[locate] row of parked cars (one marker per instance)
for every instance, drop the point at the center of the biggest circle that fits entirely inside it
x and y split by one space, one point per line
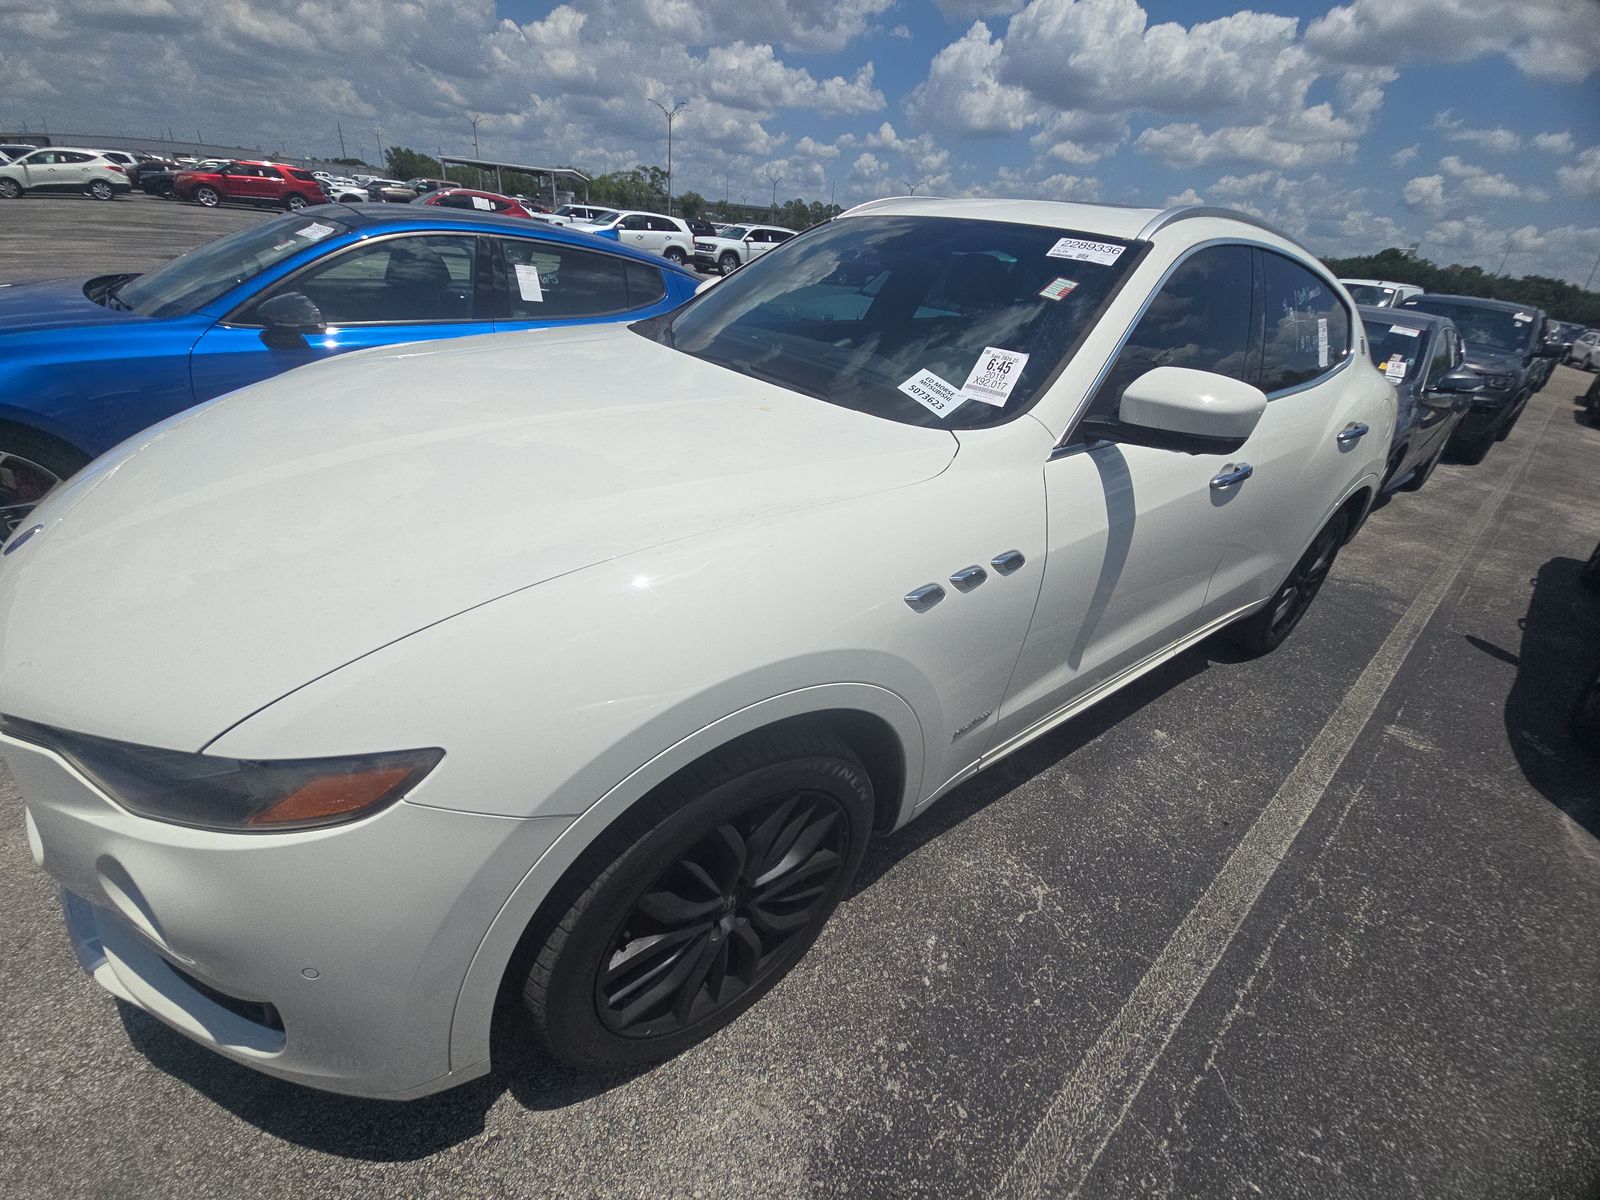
614 636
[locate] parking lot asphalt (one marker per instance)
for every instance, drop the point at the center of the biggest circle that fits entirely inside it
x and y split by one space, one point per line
1321 924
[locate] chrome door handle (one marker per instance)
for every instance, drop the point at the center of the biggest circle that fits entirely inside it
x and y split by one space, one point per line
1351 434
1232 474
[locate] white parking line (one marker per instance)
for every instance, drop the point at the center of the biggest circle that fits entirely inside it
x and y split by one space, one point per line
1092 1103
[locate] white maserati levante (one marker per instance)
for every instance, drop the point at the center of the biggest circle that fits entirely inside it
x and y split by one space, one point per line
585 662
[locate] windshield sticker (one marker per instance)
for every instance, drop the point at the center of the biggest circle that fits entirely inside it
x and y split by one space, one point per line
314 231
1522 317
994 375
1405 331
481 202
934 394
528 283
1322 341
1058 288
1081 251
1395 369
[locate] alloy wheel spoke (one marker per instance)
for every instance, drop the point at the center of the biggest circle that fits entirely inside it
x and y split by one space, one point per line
803 844
762 837
672 909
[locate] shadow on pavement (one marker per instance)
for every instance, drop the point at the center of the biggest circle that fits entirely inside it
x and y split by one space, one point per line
1560 645
385 1131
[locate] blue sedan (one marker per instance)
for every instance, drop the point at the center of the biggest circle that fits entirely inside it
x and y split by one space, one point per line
86 364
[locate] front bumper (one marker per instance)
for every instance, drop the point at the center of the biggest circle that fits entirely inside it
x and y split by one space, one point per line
332 958
1487 412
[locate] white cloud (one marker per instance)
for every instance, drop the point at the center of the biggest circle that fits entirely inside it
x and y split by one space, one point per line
1401 157
1187 196
961 94
1498 140
967 10
752 77
1556 40
1582 179
1187 145
1425 191
1554 143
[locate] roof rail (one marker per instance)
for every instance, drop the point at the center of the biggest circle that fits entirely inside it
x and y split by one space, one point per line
1184 212
876 201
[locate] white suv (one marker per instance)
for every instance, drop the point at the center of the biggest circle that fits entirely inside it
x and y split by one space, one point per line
575 214
63 169
666 236
737 245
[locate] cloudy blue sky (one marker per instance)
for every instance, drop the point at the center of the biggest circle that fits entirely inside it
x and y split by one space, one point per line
1472 126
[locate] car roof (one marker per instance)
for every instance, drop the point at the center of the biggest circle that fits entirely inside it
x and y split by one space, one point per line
1380 313
1481 301
1114 220
378 218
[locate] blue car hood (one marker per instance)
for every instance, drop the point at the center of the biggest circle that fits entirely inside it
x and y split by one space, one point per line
55 304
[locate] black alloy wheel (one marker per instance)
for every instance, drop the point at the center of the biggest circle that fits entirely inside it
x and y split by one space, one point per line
1267 628
696 902
10 189
207 196
728 263
101 190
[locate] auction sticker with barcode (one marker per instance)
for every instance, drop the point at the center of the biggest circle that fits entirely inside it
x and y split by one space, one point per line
528 283
1405 331
314 231
933 393
1081 251
1395 369
994 375
1058 288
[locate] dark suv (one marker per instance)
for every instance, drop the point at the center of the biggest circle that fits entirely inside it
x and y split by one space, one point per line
1504 343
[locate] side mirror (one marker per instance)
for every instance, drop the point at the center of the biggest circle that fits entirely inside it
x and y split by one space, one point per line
707 283
1548 350
287 318
1177 408
1463 381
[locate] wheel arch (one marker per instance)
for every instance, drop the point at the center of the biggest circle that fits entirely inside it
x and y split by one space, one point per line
13 421
876 723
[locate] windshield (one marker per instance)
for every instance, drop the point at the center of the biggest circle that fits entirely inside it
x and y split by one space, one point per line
1502 330
1370 293
922 320
200 276
604 217
734 233
1396 347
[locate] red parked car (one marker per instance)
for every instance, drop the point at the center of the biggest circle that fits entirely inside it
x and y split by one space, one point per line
482 201
267 183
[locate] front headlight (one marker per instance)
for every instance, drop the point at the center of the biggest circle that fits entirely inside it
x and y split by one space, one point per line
241 796
1499 382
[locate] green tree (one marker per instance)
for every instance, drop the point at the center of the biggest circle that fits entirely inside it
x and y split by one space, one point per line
691 205
409 164
1562 300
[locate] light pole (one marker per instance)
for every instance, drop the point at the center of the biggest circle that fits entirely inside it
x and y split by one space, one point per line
1592 270
775 181
474 118
910 185
672 115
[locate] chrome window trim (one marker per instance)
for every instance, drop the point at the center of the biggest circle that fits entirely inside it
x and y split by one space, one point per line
1065 445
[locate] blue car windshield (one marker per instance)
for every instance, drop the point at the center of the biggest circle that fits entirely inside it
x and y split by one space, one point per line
195 279
950 322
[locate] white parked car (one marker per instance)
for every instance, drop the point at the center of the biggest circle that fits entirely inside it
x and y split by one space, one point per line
1585 350
737 245
63 169
1380 293
669 237
345 191
576 214
612 716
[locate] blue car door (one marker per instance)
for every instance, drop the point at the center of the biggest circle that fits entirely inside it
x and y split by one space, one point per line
379 292
549 283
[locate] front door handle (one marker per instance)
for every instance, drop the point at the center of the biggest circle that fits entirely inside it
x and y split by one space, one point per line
1351 434
1231 474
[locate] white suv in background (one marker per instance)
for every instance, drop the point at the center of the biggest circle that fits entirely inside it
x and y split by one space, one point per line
1585 350
575 214
666 236
63 169
737 245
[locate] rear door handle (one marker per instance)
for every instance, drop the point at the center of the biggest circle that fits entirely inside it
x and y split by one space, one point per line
1351 434
1231 474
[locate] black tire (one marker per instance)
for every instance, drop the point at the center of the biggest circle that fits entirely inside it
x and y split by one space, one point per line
31 464
10 189
294 202
207 196
683 914
1423 473
1266 629
99 189
1589 577
676 257
728 263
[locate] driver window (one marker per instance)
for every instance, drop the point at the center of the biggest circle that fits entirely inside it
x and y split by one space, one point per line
1201 319
402 279
635 223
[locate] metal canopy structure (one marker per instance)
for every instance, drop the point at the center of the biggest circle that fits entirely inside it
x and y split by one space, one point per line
489 164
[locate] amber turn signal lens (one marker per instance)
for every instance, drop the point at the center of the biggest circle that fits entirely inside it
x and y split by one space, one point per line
339 794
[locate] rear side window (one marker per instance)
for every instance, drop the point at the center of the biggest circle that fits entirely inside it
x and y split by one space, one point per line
305 175
1307 328
645 285
550 282
1201 319
72 156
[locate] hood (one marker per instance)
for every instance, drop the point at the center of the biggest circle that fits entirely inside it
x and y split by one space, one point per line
240 549
57 304
1492 362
